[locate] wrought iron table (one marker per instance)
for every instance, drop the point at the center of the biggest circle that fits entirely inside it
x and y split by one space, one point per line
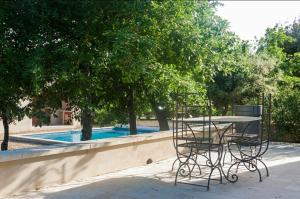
227 139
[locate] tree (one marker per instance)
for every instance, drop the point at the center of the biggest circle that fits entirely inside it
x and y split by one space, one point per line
75 57
273 42
12 92
283 43
293 31
20 77
160 46
286 115
137 33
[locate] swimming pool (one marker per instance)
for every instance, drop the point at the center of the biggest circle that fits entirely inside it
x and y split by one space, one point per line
98 133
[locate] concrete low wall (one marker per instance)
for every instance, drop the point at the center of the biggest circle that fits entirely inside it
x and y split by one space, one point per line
25 125
34 168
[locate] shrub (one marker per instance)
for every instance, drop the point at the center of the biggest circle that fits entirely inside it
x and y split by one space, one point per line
286 115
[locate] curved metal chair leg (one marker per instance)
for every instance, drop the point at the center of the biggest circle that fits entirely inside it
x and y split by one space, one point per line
174 164
208 182
180 169
195 164
176 176
225 151
231 177
237 167
258 171
221 179
267 170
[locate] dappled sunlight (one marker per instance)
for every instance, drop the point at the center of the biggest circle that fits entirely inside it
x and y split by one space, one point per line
156 180
177 93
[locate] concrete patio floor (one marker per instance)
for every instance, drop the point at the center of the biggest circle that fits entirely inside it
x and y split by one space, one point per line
156 180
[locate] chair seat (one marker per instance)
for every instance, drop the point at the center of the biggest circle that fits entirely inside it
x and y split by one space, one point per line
193 139
244 141
241 135
199 146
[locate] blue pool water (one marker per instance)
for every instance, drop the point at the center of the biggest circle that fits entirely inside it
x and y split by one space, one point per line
101 133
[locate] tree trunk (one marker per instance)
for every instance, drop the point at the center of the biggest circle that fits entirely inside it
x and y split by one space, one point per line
4 145
161 115
225 109
87 125
131 112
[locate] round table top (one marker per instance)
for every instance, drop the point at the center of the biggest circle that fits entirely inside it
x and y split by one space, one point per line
229 119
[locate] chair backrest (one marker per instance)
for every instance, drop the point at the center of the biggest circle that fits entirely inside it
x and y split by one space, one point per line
263 110
189 133
248 110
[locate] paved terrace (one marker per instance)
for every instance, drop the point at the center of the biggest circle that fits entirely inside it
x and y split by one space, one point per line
156 181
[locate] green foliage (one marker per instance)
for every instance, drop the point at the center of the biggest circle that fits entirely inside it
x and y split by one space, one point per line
19 73
264 74
231 75
110 117
113 60
286 113
274 41
283 43
293 31
291 66
155 48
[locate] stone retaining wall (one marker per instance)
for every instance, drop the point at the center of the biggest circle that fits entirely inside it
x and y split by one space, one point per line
30 169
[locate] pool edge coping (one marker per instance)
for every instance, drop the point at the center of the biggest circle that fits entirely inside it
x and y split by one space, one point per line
67 147
22 137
